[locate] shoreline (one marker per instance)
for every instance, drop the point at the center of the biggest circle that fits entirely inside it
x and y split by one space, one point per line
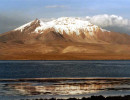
63 79
126 97
67 57
63 60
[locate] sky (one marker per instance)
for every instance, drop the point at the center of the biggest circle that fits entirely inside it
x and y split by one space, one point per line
14 13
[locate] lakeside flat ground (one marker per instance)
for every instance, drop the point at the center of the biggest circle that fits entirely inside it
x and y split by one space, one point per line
80 56
64 51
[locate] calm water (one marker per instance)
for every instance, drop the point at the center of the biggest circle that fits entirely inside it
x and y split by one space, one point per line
63 88
40 69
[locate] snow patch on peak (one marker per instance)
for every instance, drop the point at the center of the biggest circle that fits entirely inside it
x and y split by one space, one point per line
21 28
70 20
69 25
104 30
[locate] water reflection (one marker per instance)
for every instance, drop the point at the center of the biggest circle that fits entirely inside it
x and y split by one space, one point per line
68 87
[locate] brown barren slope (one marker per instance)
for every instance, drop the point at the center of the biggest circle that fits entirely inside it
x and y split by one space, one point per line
64 51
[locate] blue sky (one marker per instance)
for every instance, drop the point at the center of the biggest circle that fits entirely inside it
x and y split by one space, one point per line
42 8
18 12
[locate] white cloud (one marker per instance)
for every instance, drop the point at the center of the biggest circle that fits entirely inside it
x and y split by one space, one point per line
111 22
55 6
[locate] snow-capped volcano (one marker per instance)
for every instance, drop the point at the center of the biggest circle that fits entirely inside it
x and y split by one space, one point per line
68 25
64 38
64 29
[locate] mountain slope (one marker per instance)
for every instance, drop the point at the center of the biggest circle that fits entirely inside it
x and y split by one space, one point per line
64 38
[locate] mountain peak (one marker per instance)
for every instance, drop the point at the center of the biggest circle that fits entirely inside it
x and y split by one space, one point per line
68 25
21 28
36 20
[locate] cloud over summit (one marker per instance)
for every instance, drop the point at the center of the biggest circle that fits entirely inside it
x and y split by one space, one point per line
111 22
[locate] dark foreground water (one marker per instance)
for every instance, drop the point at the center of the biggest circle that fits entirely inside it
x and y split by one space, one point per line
114 82
40 69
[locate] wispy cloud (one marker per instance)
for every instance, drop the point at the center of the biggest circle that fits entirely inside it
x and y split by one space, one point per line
55 6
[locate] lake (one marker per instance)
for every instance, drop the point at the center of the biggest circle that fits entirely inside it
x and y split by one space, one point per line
46 69
63 79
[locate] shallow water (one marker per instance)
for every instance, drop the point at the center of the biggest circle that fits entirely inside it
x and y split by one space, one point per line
63 88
